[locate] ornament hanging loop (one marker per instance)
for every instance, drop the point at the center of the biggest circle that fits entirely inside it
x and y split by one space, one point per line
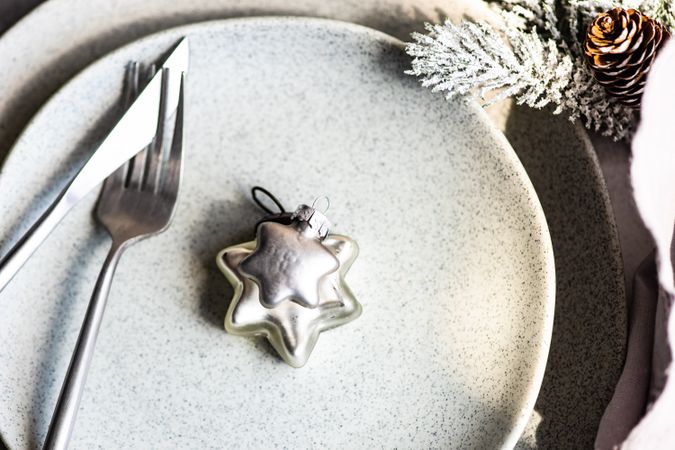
307 219
317 202
270 198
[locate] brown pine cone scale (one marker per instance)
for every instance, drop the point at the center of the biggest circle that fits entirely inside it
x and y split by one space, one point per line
620 47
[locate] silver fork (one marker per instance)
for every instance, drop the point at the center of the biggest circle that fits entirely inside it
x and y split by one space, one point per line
136 202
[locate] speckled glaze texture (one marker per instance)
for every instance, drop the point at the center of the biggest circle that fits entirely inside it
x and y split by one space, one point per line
455 271
589 332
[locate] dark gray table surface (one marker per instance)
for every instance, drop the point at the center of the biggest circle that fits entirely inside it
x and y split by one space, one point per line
13 10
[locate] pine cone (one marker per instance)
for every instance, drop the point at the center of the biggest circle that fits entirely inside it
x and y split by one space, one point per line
620 48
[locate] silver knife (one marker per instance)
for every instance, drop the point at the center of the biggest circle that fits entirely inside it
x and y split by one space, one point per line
134 131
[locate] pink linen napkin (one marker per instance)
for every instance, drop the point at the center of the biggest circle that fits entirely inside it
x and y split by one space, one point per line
631 395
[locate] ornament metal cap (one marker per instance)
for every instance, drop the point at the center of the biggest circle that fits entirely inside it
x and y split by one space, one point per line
312 221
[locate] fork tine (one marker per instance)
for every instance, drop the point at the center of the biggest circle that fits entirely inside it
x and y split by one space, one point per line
171 182
132 83
131 88
138 164
156 156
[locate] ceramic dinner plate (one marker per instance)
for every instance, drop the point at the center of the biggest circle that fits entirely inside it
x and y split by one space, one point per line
455 272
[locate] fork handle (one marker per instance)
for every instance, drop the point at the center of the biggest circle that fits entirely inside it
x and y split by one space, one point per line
63 420
31 240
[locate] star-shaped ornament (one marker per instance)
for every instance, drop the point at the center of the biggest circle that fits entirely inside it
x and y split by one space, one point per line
288 289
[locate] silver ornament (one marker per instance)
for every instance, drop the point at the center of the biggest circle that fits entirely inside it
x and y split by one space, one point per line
289 283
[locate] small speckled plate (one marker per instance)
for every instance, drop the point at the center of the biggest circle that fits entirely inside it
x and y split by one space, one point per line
455 273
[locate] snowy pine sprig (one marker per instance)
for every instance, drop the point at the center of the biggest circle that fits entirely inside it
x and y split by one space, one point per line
536 58
460 59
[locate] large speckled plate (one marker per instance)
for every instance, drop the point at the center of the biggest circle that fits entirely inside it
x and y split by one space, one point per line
455 273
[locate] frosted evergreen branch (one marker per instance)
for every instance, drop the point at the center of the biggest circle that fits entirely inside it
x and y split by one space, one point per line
587 100
662 11
474 58
528 14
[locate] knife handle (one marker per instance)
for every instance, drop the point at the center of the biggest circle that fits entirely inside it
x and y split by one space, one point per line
31 240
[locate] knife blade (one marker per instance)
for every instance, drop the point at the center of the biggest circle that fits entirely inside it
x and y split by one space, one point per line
132 133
